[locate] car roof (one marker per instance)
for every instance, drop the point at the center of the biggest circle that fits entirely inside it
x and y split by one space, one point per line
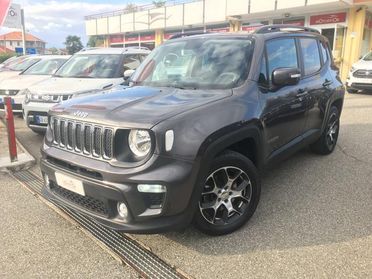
46 57
261 32
113 50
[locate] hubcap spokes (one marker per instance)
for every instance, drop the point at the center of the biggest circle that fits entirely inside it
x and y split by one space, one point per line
227 193
332 131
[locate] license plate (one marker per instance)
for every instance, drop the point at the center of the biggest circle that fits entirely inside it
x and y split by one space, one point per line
41 119
70 183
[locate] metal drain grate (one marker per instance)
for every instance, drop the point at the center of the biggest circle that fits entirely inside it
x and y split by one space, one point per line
142 260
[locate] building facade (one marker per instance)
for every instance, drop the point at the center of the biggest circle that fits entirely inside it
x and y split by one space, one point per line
346 23
13 40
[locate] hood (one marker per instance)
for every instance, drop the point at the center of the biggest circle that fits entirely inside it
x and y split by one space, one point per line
56 85
137 107
7 74
363 65
21 81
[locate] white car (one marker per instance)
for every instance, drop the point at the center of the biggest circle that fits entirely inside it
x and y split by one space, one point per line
18 65
16 86
86 72
360 75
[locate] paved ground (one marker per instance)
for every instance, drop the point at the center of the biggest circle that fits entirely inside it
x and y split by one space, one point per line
314 220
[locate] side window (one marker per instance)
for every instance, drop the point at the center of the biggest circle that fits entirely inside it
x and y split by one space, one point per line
323 48
281 53
311 56
131 62
263 78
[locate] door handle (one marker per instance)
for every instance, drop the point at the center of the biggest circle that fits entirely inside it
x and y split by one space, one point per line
327 83
301 92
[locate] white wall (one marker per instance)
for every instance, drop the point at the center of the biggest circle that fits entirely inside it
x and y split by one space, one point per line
102 26
91 27
193 13
237 7
215 10
114 24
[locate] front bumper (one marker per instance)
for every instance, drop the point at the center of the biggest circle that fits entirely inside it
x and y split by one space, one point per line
33 109
17 101
114 184
358 83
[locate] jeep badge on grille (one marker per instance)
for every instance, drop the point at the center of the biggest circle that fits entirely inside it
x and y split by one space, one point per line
81 114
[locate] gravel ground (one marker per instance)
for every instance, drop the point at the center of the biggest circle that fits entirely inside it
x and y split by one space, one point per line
314 220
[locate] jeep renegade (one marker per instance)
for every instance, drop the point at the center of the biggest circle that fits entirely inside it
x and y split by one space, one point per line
187 142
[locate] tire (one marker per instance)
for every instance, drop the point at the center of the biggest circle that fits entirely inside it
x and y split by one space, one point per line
328 140
242 201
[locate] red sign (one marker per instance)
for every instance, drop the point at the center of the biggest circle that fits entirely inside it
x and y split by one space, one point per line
116 39
219 30
328 18
250 28
4 6
148 37
131 39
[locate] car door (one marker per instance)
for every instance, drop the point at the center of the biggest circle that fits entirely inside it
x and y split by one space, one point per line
317 82
284 108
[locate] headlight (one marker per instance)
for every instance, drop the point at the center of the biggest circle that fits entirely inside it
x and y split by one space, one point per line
24 92
139 142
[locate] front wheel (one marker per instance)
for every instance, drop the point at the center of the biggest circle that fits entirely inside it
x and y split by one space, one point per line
328 140
230 195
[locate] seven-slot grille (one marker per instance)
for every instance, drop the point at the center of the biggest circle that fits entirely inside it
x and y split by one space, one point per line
84 138
363 74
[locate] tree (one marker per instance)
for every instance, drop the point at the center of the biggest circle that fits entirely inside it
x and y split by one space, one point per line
159 3
53 50
130 8
73 44
95 41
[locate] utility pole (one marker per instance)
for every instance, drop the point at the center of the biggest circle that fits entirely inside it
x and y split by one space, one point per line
23 32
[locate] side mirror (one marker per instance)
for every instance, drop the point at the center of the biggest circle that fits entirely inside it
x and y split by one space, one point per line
128 74
286 76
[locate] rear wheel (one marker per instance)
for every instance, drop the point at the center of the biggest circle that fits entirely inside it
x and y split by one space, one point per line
328 140
230 195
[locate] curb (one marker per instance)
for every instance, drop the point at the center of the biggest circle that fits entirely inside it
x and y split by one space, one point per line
25 161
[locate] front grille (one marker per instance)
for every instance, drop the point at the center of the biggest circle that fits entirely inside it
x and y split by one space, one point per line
363 74
84 138
86 202
7 92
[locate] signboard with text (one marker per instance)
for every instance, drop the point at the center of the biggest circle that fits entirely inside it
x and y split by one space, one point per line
13 18
327 18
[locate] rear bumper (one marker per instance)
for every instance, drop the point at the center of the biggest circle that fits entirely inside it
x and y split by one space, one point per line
360 86
120 185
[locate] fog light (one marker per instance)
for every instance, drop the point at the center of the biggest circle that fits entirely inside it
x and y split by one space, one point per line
46 180
151 188
122 210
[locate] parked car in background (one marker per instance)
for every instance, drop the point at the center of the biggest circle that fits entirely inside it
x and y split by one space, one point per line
187 143
18 65
16 86
9 60
360 75
87 72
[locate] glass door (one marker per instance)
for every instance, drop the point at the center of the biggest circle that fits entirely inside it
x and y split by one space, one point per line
338 45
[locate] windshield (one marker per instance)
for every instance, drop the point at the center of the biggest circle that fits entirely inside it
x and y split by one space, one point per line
23 64
217 63
91 66
368 57
45 67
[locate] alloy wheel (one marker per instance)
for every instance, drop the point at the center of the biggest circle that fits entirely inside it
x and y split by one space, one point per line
226 195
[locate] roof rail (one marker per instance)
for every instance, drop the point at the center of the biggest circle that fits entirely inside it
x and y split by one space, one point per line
283 27
187 34
136 47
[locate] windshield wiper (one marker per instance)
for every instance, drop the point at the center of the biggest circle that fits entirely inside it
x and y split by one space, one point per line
81 76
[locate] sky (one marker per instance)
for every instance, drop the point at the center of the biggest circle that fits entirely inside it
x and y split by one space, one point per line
52 20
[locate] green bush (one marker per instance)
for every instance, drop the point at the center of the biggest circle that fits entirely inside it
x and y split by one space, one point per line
5 56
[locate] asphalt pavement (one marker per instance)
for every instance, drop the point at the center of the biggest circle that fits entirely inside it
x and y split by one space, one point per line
314 220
